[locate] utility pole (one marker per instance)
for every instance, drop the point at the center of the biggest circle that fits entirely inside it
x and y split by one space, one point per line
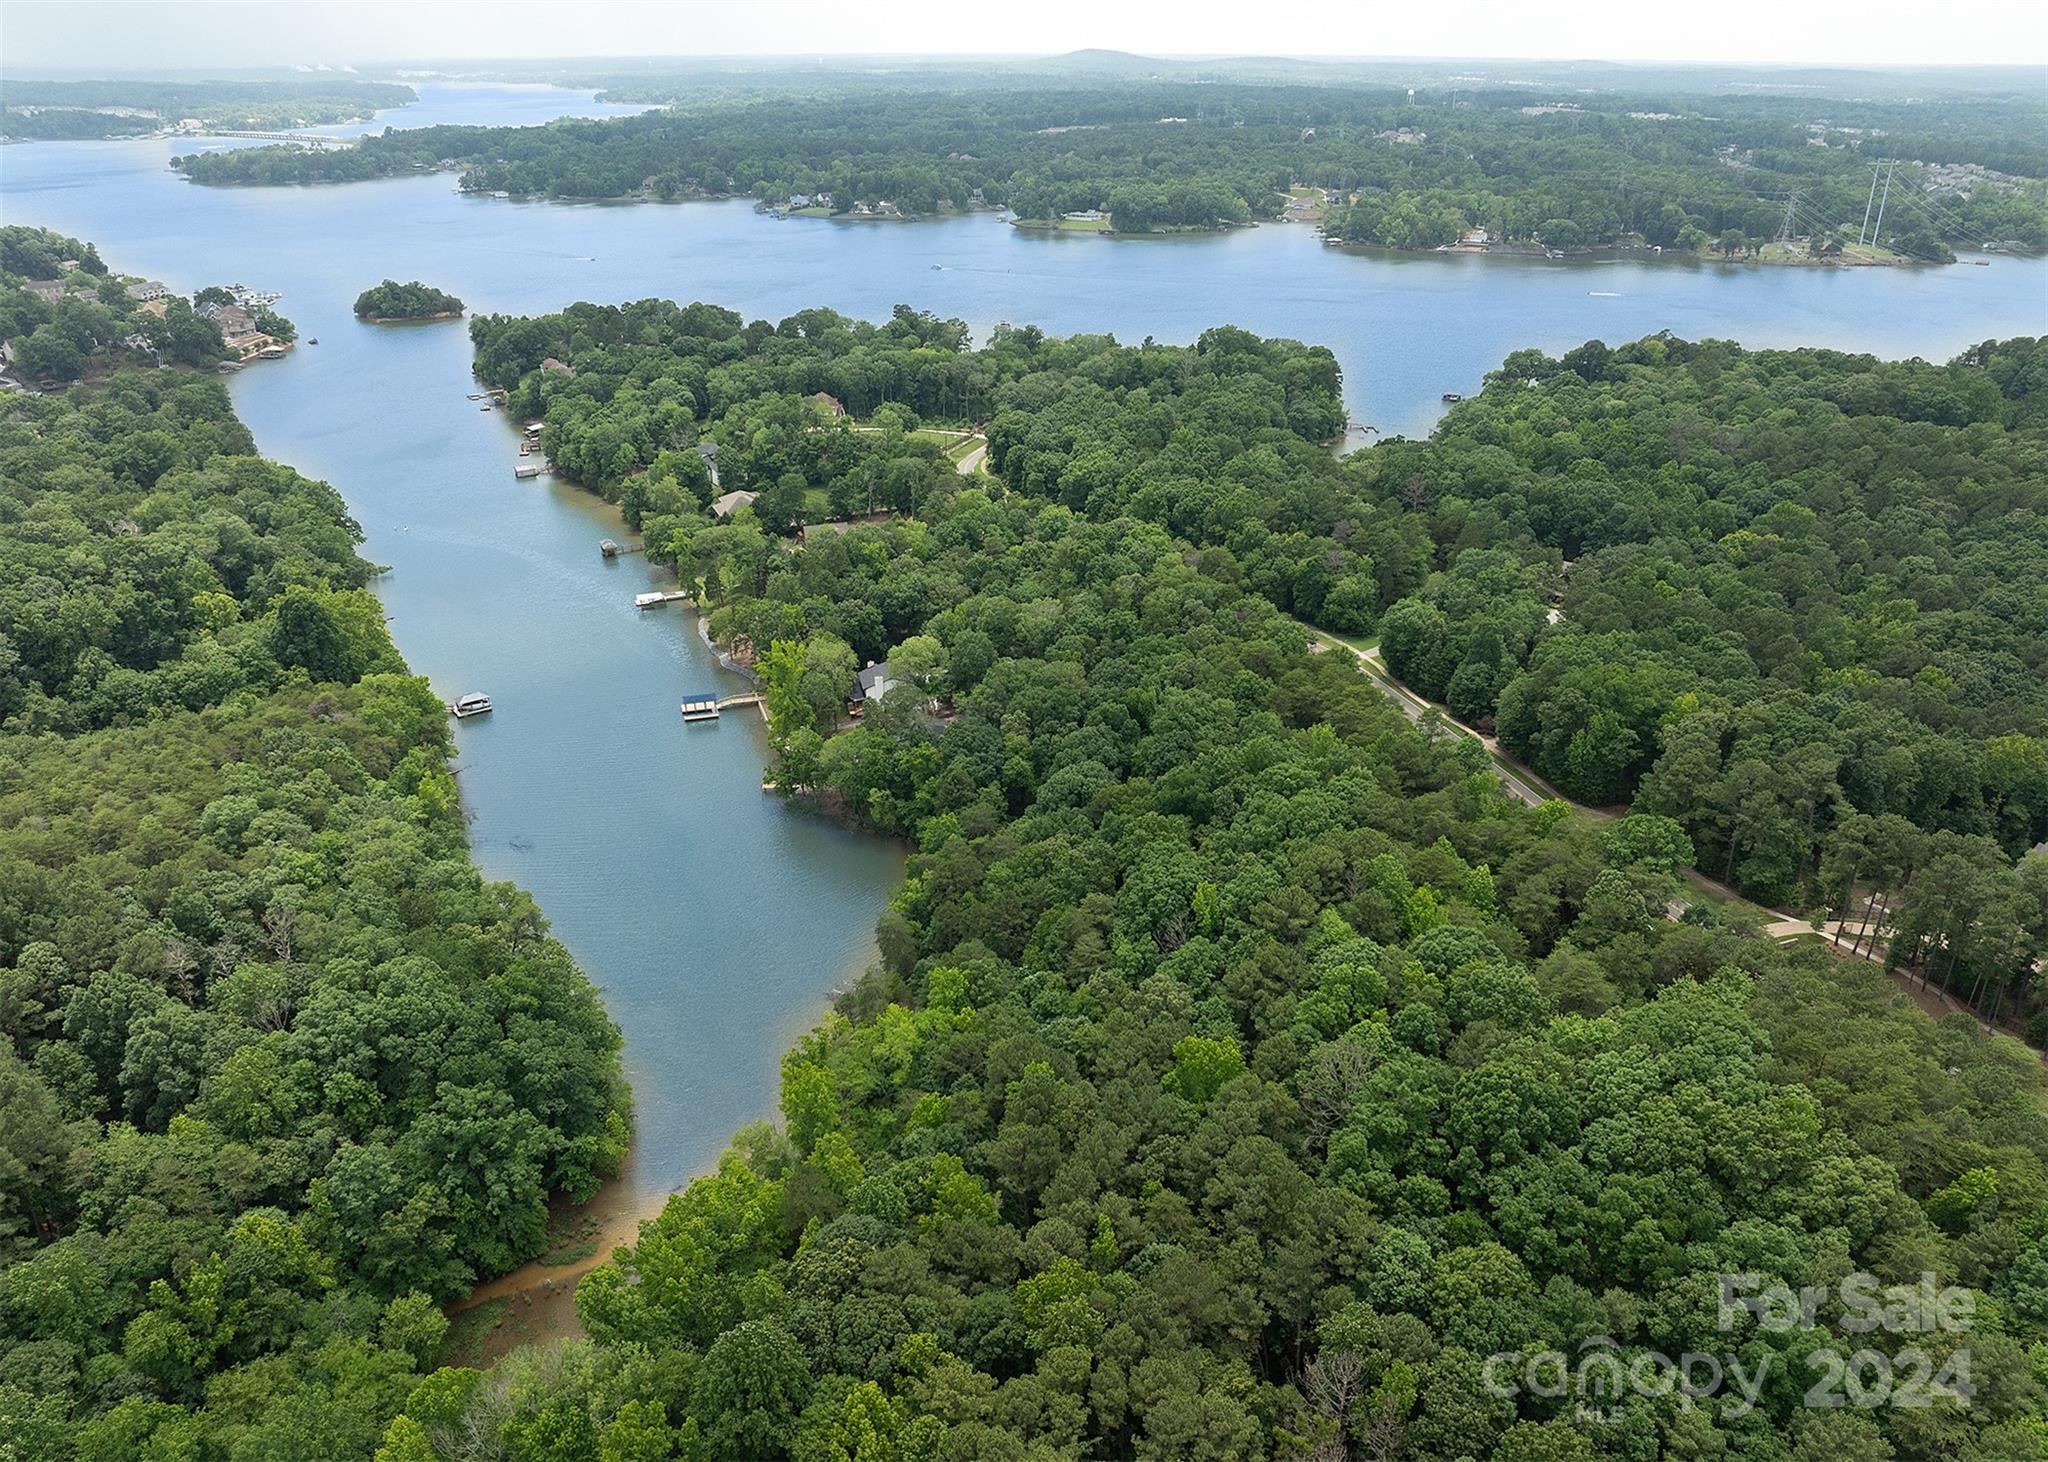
1868 203
1878 232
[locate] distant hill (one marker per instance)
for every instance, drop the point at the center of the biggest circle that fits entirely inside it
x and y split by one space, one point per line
1100 61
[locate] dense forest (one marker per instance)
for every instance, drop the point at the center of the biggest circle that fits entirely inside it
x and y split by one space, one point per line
279 1073
1570 171
1245 1074
1791 588
1792 599
415 301
72 110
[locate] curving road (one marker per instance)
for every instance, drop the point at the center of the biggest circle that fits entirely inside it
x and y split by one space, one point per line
1518 779
1526 785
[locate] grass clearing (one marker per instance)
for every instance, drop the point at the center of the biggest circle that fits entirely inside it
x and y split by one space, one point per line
467 1342
1067 225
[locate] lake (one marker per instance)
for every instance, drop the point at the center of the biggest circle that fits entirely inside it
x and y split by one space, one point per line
715 920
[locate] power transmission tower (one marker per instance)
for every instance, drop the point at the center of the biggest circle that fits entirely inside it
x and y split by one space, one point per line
1785 224
1878 232
1869 202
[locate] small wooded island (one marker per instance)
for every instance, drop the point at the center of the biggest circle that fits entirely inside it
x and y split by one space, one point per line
415 301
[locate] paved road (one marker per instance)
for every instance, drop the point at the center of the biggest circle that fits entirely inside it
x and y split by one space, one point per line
1414 707
1785 926
971 463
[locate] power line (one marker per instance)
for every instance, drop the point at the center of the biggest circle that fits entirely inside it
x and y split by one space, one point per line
1935 212
1928 218
1867 204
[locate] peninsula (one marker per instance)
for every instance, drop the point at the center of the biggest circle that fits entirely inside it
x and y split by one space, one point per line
1557 169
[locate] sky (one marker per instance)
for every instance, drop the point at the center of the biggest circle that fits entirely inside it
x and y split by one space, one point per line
225 34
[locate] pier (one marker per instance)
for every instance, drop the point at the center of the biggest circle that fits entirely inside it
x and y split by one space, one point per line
706 707
661 596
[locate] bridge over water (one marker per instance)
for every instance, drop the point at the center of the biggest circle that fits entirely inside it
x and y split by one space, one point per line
308 139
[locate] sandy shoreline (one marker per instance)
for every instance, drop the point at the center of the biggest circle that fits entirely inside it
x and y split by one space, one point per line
538 1298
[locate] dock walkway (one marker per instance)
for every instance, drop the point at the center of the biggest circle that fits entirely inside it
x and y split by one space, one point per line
706 707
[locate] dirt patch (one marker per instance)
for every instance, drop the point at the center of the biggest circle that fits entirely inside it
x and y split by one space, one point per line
537 1301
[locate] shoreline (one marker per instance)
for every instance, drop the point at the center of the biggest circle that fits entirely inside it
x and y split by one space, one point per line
536 1301
1515 250
1610 253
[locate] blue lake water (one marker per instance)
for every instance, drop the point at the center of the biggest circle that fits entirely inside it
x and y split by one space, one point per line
715 920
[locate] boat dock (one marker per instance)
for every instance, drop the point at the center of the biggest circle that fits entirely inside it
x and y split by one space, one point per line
611 549
525 471
706 707
661 596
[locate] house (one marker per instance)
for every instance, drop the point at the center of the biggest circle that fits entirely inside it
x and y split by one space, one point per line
238 331
709 452
873 683
49 291
822 200
842 525
799 200
827 403
861 210
560 367
886 209
149 289
159 308
1474 238
731 503
1086 215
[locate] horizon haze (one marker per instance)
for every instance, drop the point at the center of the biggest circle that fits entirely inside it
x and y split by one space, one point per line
120 35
